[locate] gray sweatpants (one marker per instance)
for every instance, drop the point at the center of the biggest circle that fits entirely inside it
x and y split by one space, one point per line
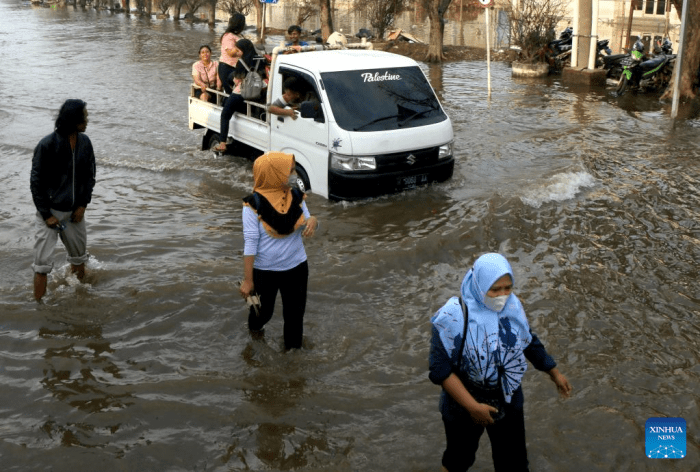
74 238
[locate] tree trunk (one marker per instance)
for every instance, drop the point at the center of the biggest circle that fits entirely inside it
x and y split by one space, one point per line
691 52
149 8
212 12
326 18
176 10
259 18
436 14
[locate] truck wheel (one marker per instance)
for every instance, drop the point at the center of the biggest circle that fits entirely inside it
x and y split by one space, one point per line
214 141
302 179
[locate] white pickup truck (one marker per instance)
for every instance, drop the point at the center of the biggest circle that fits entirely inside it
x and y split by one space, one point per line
374 125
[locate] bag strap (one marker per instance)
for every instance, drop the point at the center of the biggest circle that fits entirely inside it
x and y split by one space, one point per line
465 313
244 64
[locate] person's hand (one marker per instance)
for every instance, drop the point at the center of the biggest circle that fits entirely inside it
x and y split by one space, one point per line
246 288
563 386
481 414
78 215
293 113
204 96
311 225
52 222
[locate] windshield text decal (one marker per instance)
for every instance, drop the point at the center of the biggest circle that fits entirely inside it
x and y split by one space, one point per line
380 78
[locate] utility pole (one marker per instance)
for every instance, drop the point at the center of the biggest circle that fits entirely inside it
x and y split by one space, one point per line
633 3
679 62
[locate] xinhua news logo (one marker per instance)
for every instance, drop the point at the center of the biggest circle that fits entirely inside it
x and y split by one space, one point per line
665 438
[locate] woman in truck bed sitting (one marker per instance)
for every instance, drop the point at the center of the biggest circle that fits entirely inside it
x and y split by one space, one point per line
204 74
235 102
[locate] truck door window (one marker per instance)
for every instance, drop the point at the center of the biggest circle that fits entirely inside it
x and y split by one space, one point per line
311 91
382 99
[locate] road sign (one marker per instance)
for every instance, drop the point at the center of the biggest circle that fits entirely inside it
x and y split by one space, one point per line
486 3
269 1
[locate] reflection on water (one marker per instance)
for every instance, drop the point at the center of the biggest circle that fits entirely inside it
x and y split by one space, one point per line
149 365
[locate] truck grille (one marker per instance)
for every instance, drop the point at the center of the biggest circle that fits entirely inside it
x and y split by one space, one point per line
406 160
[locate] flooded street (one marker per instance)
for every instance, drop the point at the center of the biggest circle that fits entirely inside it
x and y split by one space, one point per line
149 365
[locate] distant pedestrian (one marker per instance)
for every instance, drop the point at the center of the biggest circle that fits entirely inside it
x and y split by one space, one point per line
478 353
62 180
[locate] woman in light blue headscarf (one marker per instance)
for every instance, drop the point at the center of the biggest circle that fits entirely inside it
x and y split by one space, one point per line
480 363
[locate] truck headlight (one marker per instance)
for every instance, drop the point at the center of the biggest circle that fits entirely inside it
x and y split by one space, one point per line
351 163
445 151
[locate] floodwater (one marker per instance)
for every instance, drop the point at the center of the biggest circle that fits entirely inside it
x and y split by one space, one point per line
149 366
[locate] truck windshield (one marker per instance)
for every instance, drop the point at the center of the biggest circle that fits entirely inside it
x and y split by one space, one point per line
382 99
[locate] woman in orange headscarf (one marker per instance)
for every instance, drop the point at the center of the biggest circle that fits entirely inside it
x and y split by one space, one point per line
275 218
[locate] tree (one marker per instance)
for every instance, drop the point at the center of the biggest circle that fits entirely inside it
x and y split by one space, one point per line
326 18
144 7
231 7
307 9
192 7
436 14
212 11
177 6
532 26
691 52
259 18
381 13
164 6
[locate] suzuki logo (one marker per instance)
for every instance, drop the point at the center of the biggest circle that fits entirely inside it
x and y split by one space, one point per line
411 159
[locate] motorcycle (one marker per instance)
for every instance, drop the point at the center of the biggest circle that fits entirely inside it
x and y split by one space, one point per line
560 50
646 75
613 63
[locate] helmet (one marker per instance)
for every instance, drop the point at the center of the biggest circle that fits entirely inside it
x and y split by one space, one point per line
338 39
667 46
638 45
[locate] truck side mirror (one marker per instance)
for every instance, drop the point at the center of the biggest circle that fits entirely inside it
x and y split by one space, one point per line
312 109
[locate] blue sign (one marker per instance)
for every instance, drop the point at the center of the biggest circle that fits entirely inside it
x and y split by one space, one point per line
269 1
665 438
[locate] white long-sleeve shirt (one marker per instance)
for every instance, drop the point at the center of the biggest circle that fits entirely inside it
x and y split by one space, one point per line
270 253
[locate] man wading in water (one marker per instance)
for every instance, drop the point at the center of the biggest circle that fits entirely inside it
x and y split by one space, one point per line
62 179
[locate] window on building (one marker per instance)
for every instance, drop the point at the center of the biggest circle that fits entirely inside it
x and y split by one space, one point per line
649 10
660 7
651 7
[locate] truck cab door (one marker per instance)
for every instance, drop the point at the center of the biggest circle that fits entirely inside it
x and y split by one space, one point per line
306 138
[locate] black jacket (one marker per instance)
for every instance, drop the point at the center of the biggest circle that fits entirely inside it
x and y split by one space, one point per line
61 179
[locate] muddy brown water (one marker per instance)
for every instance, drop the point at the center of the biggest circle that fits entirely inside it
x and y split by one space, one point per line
149 366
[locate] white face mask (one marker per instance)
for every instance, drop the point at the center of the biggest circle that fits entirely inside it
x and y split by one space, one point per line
496 303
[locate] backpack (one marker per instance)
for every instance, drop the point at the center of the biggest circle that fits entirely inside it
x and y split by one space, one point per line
252 84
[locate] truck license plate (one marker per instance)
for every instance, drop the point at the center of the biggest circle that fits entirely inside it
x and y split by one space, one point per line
412 181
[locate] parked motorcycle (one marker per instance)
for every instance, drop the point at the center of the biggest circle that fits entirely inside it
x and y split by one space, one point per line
646 75
560 50
613 63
